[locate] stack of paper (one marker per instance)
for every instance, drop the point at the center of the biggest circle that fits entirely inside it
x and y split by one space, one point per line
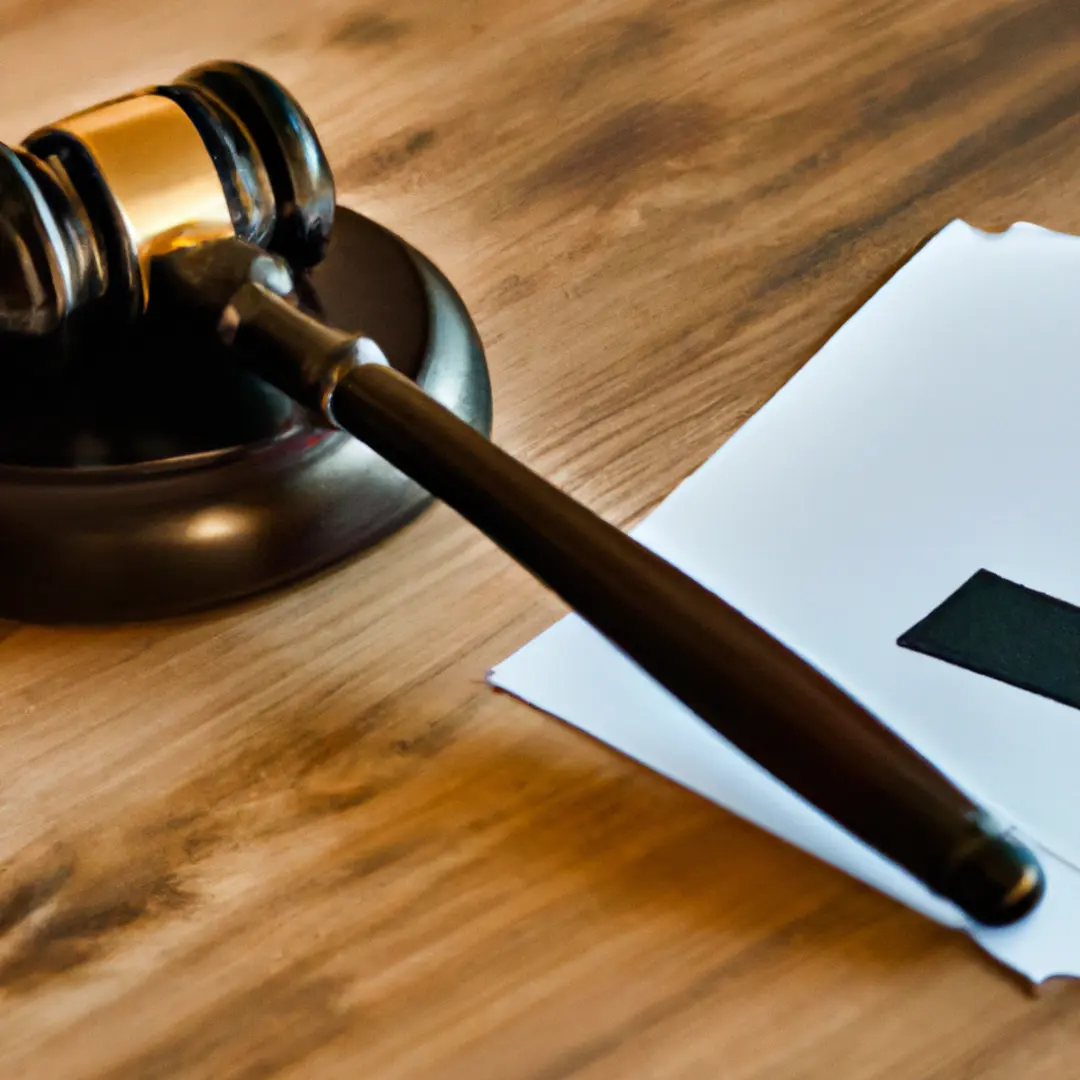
936 435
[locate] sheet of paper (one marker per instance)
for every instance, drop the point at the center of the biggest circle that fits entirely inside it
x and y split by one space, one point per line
935 435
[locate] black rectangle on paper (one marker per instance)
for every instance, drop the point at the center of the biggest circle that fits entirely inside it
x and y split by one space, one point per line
1008 632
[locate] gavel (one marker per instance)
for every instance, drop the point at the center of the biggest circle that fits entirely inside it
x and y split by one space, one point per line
201 204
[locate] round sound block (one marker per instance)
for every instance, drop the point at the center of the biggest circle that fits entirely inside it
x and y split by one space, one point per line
143 476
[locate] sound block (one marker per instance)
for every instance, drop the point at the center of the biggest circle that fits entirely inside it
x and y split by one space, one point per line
143 476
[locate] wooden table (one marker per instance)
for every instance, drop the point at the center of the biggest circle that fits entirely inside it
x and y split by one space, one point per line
301 838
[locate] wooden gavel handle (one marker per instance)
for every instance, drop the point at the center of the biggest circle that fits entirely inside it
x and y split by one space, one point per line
742 682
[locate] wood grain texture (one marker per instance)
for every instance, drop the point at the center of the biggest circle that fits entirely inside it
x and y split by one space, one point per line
301 839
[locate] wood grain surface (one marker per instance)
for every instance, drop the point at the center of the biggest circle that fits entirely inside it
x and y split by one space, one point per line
301 838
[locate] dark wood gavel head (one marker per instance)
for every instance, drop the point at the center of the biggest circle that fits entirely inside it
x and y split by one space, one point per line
88 202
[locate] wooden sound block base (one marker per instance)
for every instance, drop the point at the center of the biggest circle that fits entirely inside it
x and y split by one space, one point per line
142 476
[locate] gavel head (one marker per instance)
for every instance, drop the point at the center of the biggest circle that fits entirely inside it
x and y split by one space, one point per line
88 202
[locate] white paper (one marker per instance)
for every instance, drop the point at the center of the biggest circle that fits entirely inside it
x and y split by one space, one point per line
936 434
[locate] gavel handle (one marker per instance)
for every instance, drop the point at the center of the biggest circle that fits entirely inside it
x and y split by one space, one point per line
739 680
